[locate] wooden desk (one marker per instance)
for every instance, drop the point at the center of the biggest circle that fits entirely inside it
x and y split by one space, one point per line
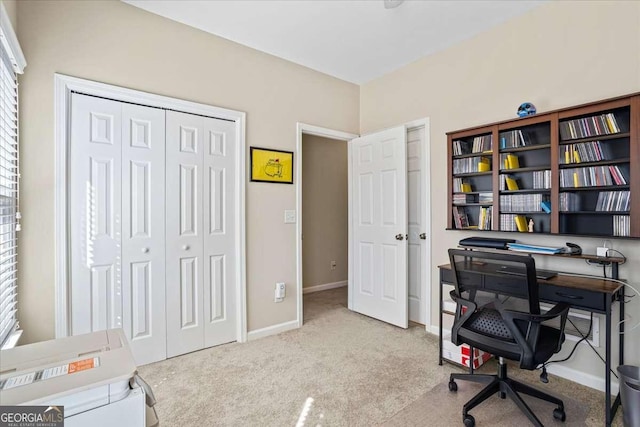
589 294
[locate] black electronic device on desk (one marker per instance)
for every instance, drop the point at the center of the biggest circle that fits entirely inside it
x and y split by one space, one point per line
486 242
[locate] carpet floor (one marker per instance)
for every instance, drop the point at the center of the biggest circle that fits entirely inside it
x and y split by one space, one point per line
339 369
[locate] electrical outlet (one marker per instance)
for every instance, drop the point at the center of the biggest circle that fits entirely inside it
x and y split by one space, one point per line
333 265
280 292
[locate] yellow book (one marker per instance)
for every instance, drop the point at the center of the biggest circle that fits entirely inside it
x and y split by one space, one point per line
512 184
466 188
576 156
567 159
521 223
484 165
513 162
576 181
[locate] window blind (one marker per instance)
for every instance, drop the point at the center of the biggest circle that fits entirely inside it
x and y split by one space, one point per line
9 213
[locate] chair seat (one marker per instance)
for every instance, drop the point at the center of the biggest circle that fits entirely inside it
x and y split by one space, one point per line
488 323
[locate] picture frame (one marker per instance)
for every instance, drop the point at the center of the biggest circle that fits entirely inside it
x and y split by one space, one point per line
268 165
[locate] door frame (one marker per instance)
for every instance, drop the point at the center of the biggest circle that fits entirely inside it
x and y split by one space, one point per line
426 167
64 86
307 129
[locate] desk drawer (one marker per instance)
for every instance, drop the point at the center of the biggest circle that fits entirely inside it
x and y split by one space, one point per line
472 279
578 298
516 286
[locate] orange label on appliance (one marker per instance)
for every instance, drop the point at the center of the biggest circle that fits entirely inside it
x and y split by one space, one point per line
82 365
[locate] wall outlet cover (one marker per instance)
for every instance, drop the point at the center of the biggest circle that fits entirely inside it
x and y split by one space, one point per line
601 251
289 216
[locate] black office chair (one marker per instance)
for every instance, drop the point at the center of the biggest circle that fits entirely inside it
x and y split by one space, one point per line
484 281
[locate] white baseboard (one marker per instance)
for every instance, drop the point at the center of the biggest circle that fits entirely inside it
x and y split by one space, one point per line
272 330
583 378
565 372
324 287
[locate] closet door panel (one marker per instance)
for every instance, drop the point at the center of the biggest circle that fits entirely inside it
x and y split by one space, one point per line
143 233
220 230
184 232
95 209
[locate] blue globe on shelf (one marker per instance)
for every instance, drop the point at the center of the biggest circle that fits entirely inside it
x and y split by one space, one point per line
526 109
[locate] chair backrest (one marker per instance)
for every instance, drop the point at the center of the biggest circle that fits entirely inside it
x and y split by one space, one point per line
498 273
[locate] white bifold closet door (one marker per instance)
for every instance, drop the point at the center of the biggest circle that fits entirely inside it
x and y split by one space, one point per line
117 167
200 232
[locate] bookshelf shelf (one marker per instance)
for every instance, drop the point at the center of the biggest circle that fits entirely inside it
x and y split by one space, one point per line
599 163
527 148
621 135
528 169
594 188
531 173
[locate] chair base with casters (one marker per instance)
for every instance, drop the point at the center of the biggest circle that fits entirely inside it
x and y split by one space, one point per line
506 386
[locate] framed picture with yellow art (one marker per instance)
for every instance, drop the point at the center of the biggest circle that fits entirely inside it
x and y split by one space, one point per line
271 165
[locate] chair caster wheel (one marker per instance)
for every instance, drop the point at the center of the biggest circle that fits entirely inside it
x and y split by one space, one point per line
453 386
559 414
469 421
503 395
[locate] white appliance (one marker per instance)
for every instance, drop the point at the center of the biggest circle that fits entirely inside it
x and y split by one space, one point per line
92 375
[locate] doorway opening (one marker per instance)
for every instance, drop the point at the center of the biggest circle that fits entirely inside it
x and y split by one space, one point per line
327 163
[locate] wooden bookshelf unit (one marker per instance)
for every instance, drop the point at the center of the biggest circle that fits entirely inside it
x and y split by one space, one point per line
574 171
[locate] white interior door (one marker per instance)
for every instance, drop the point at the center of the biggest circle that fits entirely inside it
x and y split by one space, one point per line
117 222
95 209
418 235
379 226
143 273
200 232
220 220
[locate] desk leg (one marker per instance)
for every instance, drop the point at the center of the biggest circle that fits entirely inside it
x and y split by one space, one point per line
607 364
616 402
440 327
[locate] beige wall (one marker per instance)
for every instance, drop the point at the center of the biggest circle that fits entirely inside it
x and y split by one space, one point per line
115 43
559 54
11 6
324 210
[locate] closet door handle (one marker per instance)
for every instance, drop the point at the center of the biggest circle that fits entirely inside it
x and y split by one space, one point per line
145 250
399 237
185 247
423 236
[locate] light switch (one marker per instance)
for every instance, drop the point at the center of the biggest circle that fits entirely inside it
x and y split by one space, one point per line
289 216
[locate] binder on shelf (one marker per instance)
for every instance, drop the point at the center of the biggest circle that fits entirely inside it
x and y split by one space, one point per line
511 161
512 184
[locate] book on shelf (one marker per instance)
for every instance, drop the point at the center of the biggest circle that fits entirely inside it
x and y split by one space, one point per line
585 127
569 202
523 202
461 186
471 165
510 161
460 218
541 180
460 148
591 151
546 206
618 201
594 176
516 138
485 197
621 225
508 182
521 223
484 218
462 198
482 144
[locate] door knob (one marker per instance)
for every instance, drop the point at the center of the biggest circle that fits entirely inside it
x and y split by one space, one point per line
185 247
145 250
423 236
399 237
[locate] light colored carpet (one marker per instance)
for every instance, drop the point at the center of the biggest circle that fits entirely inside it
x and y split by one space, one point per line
357 370
440 407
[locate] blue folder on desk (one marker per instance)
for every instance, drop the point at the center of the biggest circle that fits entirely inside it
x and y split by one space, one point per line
520 247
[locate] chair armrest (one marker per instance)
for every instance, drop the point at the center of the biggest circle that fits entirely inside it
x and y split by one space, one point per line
560 309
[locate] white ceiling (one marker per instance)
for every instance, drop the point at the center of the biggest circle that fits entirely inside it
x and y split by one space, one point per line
355 41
